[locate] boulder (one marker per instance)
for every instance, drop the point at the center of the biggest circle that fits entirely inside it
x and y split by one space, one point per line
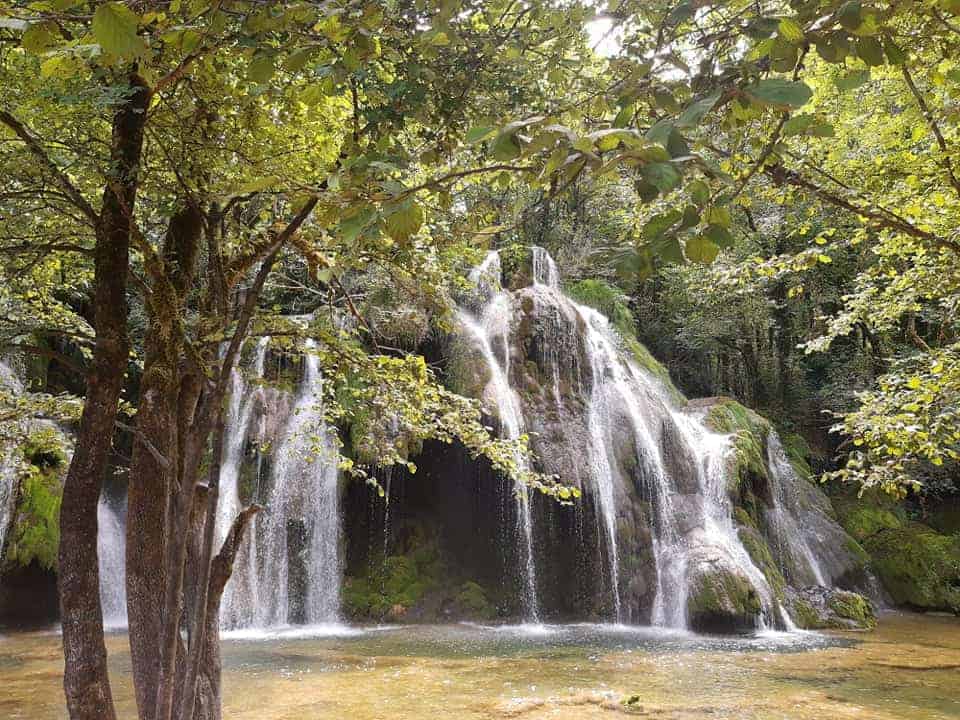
721 600
823 608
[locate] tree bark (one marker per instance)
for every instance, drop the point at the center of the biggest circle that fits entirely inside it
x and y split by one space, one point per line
86 680
188 695
164 390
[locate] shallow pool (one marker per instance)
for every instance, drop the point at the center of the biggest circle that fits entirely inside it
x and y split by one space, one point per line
908 668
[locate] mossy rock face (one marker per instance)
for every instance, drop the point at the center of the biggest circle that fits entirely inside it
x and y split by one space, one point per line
749 432
865 522
517 263
472 601
720 600
35 532
918 566
821 608
758 550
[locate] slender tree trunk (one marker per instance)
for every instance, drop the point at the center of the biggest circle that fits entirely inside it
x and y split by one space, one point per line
86 680
165 395
188 698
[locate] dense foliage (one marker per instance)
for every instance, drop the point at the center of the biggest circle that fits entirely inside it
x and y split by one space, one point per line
767 194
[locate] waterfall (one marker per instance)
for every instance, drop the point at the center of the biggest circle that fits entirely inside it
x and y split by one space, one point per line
687 526
111 556
11 386
492 328
290 568
635 442
9 469
791 542
240 596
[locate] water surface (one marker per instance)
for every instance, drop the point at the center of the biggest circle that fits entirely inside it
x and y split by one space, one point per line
908 668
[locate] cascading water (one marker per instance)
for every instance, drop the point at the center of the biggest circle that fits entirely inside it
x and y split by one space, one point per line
110 514
490 329
792 542
238 608
10 386
290 567
628 411
111 556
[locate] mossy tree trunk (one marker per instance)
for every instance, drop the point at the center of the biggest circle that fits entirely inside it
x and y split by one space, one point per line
86 681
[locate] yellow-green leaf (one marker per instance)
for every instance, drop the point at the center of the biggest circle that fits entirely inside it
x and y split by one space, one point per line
115 29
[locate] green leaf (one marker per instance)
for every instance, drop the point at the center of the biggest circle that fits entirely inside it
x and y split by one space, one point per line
476 134
789 29
668 248
850 15
807 124
660 132
505 147
719 236
659 224
834 47
296 61
625 115
870 51
697 110
261 69
701 249
38 38
405 221
663 176
894 52
719 215
852 80
779 93
115 29
691 217
699 192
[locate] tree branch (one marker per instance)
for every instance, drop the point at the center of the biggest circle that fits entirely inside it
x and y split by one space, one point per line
934 127
35 146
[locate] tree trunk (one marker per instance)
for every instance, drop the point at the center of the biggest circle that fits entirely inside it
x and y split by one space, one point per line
86 680
164 394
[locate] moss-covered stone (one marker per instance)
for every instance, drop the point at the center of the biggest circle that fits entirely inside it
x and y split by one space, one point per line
918 566
854 607
35 534
389 590
820 608
865 521
798 452
722 601
759 552
750 436
742 517
472 601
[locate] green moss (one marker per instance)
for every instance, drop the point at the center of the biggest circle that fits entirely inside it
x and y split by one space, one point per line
759 552
750 436
865 521
721 598
798 453
473 600
35 536
609 300
394 585
743 517
805 615
853 607
918 566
